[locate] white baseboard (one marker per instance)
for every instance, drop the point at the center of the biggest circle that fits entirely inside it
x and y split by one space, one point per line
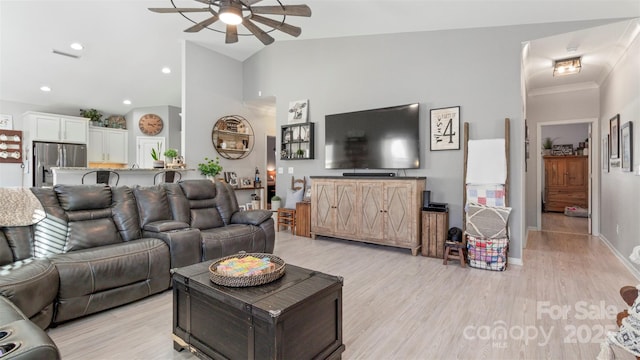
515 261
624 259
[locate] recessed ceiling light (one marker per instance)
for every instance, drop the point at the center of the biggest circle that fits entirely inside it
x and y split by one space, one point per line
166 70
76 46
127 102
45 88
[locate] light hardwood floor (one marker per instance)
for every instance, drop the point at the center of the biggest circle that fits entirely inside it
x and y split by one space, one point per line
398 306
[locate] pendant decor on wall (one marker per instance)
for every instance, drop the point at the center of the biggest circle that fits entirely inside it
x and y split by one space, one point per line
232 137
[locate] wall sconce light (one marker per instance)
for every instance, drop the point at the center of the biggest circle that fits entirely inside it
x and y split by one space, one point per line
567 66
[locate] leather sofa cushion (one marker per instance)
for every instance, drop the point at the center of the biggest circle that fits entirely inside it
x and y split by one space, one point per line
152 204
198 189
9 312
178 202
30 284
125 213
231 239
34 342
91 233
83 197
206 218
100 278
6 255
20 241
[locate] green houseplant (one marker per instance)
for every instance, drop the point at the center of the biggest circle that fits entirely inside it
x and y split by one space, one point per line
275 202
155 155
171 154
547 144
211 167
94 115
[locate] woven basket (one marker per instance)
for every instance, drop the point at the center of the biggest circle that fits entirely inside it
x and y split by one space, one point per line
244 281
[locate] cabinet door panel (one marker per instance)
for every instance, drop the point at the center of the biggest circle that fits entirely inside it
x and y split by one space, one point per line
346 214
371 210
95 150
576 172
399 209
47 128
322 214
116 147
74 130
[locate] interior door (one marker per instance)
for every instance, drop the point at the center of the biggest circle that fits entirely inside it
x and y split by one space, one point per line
144 145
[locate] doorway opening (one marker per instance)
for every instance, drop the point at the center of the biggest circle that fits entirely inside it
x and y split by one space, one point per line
568 209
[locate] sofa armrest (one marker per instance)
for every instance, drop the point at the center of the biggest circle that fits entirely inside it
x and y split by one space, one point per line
165 225
184 245
251 217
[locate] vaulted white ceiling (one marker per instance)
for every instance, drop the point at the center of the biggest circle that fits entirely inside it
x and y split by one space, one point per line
126 45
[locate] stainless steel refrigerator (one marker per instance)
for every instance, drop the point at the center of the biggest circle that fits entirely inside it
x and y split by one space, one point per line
48 155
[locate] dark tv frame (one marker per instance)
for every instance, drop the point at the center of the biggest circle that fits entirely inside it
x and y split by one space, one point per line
412 163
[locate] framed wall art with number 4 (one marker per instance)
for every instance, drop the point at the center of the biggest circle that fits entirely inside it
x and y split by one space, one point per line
445 129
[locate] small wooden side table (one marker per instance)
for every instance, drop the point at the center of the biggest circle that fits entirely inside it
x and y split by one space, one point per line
303 219
435 226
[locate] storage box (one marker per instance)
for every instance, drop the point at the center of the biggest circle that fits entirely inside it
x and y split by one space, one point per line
435 226
298 316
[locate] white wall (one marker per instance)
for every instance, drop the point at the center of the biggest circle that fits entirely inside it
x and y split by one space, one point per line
212 89
620 191
477 69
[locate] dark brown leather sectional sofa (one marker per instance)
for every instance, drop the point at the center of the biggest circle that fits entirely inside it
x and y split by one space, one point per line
107 246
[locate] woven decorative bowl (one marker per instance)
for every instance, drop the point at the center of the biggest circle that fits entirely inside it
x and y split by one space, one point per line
244 281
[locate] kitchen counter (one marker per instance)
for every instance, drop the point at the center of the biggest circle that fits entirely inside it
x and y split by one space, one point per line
128 176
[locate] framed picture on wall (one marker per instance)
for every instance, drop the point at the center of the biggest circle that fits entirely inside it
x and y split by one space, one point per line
445 129
626 146
298 111
614 131
6 122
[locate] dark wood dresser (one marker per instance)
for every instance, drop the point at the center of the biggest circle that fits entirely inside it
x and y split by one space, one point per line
566 182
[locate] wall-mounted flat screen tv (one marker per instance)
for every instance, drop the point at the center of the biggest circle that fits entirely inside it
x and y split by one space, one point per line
386 138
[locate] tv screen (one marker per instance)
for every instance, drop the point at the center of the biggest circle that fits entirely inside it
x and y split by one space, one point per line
387 138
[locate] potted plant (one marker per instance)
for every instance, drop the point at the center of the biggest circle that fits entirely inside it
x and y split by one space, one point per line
275 202
94 116
547 144
171 155
210 168
155 155
300 153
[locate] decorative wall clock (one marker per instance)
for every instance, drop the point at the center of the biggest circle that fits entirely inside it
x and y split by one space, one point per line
150 124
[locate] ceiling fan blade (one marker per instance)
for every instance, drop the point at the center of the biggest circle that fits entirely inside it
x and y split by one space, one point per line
261 35
203 24
204 1
176 10
285 28
232 34
292 10
249 2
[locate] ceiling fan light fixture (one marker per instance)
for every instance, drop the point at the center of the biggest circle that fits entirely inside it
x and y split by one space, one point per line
567 66
230 13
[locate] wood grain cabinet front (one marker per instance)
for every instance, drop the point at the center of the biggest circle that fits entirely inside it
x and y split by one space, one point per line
375 210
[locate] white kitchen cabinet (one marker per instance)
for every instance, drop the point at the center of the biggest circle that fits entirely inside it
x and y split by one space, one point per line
56 128
107 145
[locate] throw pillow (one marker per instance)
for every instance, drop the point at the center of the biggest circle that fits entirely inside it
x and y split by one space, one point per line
487 221
293 197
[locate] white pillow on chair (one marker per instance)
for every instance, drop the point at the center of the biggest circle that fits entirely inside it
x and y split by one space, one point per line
293 197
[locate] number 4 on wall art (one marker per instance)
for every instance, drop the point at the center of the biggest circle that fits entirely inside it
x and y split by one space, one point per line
445 129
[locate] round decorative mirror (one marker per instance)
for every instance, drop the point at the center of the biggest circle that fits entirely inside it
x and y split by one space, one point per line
232 137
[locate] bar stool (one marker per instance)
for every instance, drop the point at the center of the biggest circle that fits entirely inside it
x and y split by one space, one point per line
106 177
454 250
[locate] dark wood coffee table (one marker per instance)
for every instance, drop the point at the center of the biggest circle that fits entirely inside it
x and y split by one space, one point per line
298 316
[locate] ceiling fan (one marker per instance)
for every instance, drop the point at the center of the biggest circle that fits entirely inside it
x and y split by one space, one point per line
241 12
